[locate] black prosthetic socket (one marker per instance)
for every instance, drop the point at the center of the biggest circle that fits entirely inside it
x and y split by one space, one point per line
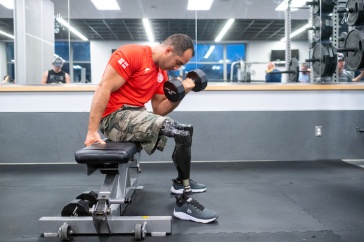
182 151
185 127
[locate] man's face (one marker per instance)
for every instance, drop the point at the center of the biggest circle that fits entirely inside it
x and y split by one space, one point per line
171 61
340 64
57 68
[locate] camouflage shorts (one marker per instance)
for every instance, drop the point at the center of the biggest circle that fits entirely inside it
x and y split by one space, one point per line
135 124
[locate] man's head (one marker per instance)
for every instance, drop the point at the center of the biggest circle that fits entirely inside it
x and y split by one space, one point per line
57 63
340 60
304 68
177 50
270 66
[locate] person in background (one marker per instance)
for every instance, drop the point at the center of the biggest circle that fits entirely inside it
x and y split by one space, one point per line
304 75
56 75
359 73
270 76
7 80
344 75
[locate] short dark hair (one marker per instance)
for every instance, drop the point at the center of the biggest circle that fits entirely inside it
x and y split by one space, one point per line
180 43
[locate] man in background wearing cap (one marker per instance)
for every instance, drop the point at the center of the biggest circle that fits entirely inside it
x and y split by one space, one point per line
56 75
344 75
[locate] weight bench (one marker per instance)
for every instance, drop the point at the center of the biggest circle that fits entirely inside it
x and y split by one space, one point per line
102 214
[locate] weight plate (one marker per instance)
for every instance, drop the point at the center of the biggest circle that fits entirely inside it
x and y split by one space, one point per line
294 70
325 59
355 59
342 38
323 28
332 62
316 6
356 16
327 6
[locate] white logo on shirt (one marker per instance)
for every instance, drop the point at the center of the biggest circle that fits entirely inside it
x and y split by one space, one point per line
146 69
160 77
123 63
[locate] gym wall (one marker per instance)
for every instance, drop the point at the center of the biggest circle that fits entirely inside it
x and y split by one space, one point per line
229 125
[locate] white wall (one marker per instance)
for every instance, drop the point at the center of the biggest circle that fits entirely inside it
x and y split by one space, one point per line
257 51
100 54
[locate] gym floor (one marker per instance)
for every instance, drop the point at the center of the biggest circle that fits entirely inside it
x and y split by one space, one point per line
256 201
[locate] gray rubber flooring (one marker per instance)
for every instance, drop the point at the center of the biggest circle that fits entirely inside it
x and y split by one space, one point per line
256 201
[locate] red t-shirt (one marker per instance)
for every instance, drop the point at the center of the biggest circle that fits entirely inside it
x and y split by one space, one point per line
143 77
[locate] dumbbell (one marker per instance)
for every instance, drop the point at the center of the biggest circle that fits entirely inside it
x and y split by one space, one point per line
81 205
174 90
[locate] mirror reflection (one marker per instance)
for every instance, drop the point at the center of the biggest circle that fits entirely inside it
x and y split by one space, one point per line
236 41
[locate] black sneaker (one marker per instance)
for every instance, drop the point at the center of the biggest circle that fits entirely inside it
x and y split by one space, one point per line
177 187
188 208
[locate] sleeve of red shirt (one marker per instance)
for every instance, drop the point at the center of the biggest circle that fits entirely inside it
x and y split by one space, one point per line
125 60
160 89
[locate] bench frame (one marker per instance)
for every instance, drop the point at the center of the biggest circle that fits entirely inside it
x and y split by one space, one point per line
106 217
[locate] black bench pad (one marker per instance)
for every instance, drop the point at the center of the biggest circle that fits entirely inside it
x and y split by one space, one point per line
112 152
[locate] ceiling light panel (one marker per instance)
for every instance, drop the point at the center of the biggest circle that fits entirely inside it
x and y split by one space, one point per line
106 4
199 5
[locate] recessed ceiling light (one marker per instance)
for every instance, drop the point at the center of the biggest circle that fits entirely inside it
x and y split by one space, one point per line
106 4
7 3
199 4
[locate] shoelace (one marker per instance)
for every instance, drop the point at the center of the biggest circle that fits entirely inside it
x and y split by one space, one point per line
196 204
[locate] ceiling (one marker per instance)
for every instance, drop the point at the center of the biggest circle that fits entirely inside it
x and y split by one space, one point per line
254 20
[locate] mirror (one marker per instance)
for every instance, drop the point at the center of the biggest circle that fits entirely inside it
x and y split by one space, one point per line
241 55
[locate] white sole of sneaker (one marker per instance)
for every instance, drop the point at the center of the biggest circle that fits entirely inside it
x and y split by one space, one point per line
184 216
180 191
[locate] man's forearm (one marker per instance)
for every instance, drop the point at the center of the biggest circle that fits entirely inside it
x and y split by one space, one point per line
165 107
98 106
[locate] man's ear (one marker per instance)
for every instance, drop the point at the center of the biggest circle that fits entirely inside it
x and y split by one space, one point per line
169 49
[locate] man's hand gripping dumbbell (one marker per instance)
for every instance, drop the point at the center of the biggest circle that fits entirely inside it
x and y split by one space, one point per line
175 89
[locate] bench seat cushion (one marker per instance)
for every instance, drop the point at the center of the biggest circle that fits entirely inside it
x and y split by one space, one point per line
112 152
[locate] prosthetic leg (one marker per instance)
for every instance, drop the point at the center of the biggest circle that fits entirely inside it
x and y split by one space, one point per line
186 207
181 156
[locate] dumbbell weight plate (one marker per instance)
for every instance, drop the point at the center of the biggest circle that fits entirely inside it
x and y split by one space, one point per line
90 196
76 208
199 78
174 90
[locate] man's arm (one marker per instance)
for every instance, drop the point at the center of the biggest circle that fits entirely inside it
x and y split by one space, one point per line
360 76
44 77
110 82
67 78
162 106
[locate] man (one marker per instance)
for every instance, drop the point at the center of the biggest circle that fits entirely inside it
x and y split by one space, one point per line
304 75
344 75
270 75
135 75
56 75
